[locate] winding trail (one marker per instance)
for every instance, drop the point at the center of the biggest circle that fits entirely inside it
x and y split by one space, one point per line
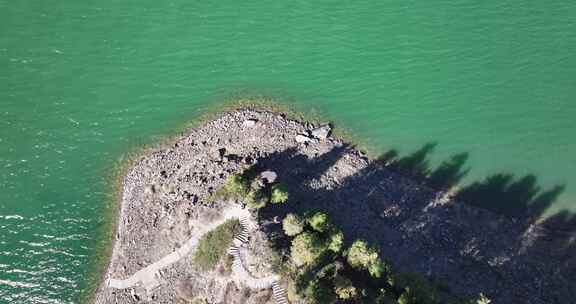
146 277
244 275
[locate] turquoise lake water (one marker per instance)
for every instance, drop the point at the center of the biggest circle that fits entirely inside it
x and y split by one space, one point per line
82 82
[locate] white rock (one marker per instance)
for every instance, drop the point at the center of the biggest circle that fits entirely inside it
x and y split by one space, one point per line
250 123
269 176
322 132
301 138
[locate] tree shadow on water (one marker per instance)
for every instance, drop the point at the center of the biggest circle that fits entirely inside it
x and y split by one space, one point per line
502 193
522 199
450 172
417 165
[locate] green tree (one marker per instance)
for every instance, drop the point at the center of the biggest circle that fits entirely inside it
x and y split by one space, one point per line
319 221
378 268
306 248
336 241
237 184
362 256
235 187
279 194
256 199
292 224
344 288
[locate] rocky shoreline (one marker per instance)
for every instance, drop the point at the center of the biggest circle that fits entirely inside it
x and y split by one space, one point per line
167 193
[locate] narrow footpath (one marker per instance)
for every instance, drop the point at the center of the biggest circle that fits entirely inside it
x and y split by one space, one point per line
147 276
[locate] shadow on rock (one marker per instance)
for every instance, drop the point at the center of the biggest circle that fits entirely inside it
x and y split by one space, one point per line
470 249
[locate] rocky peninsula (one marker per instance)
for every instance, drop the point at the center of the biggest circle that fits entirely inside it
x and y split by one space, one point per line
170 201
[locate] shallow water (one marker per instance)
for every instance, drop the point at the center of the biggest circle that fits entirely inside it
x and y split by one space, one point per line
81 82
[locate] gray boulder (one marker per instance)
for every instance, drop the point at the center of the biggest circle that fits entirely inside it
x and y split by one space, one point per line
301 138
322 132
250 123
268 176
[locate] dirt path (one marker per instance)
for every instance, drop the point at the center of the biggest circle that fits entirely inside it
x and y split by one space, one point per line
147 275
243 275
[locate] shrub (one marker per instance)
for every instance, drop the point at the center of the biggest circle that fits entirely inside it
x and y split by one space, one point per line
279 194
213 245
362 256
378 268
344 288
256 199
236 183
319 221
292 224
336 240
306 248
235 187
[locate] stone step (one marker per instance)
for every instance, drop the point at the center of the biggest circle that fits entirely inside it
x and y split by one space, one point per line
279 294
242 238
234 250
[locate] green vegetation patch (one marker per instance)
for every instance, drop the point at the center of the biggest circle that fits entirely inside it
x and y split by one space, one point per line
279 194
306 248
362 256
235 187
213 246
344 288
292 224
323 270
319 222
256 199
245 187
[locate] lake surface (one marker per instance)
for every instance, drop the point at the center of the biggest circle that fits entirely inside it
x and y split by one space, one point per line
82 82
